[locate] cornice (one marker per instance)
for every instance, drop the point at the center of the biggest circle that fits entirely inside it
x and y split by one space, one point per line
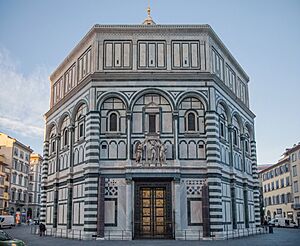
148 76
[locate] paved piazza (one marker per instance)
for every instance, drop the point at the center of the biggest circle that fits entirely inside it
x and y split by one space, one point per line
281 236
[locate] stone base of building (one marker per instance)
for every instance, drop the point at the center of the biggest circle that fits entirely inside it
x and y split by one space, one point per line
178 235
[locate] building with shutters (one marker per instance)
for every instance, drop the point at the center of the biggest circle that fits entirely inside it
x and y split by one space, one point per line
149 134
17 157
281 195
34 186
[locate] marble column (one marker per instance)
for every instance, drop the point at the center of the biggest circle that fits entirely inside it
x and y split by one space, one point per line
230 131
91 173
233 203
128 116
70 178
129 198
243 138
44 181
175 126
214 174
246 209
177 210
205 211
101 212
256 184
56 183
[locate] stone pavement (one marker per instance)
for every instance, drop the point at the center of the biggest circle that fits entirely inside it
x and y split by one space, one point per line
281 237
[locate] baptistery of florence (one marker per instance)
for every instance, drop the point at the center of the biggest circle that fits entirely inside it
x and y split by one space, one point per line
149 135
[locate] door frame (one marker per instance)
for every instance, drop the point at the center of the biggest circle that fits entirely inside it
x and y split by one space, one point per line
153 183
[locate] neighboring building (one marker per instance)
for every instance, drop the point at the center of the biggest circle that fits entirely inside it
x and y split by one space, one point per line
294 154
280 185
17 155
260 168
34 188
4 184
149 135
277 190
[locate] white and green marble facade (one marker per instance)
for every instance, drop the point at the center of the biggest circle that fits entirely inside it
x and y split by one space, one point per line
89 172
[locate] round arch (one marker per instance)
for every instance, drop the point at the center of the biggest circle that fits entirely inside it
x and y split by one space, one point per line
110 94
195 94
49 128
61 120
239 120
158 91
250 130
226 108
75 109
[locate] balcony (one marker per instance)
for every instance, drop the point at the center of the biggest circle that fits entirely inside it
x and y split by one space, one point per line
296 206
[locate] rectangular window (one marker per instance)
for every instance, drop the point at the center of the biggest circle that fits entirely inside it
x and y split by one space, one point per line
222 129
81 130
84 66
235 137
16 152
282 183
217 64
294 171
296 189
277 184
287 181
21 154
230 78
286 167
152 123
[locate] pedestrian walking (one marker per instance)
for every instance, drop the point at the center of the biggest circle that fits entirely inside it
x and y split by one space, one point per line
266 225
42 228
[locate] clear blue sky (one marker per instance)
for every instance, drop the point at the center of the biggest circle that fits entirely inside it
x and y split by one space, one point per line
264 36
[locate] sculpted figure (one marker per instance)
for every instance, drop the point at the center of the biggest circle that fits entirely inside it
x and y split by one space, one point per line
138 152
153 155
162 153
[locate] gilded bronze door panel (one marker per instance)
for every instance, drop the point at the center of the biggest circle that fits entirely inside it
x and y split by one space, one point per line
152 215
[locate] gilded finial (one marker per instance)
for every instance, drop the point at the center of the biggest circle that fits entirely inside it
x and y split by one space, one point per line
148 9
148 20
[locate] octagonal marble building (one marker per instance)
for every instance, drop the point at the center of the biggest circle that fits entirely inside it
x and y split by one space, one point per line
149 135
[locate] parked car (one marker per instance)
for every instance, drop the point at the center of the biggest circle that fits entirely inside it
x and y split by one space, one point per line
7 221
282 222
6 240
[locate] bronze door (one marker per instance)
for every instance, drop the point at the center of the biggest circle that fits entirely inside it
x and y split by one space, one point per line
153 213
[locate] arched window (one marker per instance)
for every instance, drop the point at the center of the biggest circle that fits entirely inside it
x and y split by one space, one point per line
19 195
191 121
20 179
80 122
192 109
113 122
113 116
52 140
222 121
64 132
236 132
